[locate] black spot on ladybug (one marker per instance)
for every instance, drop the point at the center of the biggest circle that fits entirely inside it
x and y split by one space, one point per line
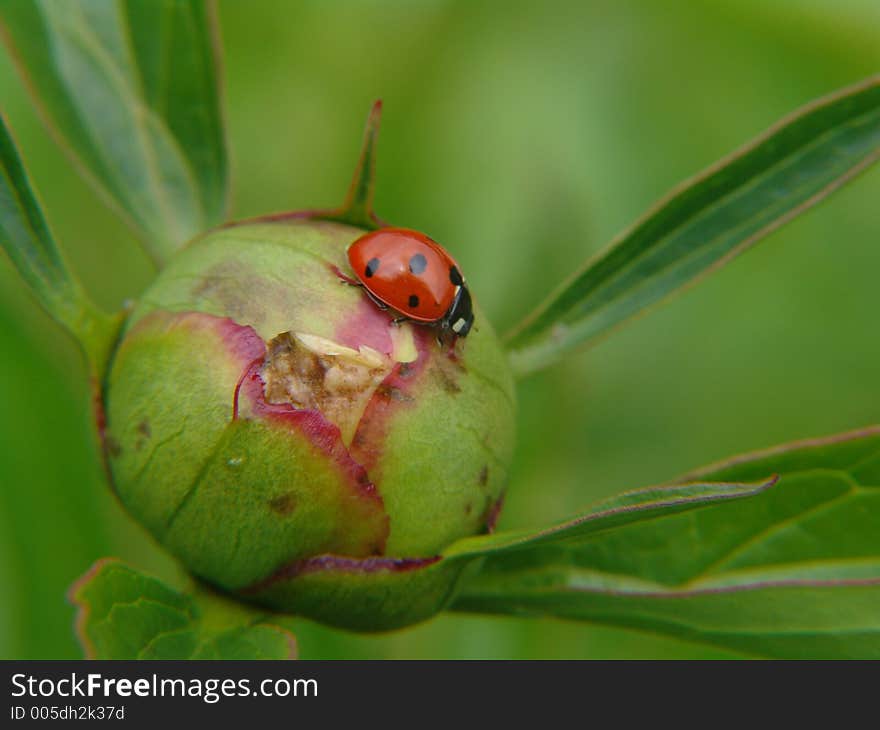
418 263
455 276
413 301
372 267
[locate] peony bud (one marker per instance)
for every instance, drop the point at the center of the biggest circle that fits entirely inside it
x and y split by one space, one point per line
277 433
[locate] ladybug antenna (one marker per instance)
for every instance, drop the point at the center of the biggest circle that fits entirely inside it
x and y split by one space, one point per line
357 209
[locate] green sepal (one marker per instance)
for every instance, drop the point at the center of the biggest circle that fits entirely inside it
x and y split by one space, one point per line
125 614
357 210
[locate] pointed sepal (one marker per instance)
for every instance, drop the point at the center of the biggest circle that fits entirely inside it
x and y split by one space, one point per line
357 209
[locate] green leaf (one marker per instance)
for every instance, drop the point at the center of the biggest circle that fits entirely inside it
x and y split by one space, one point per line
124 614
130 88
26 238
793 571
707 221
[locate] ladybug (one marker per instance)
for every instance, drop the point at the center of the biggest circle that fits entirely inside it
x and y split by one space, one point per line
408 272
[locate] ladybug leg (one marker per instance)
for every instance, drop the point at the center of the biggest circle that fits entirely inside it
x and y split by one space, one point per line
447 340
379 303
345 278
397 321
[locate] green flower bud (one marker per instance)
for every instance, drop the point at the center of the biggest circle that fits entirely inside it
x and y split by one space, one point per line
275 431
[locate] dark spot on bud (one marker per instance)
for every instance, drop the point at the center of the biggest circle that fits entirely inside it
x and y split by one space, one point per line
413 301
143 428
447 378
418 263
213 285
493 511
483 479
283 504
372 267
455 276
112 446
392 393
468 508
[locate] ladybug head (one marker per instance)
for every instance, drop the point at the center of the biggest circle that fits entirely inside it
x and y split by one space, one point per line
460 317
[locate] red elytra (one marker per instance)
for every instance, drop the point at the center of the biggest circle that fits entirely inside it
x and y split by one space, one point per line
409 272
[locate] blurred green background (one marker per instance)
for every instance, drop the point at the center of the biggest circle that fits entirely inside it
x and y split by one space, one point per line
523 136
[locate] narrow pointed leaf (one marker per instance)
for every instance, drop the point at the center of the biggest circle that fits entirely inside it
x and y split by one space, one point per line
124 614
130 88
707 221
792 572
629 508
27 240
